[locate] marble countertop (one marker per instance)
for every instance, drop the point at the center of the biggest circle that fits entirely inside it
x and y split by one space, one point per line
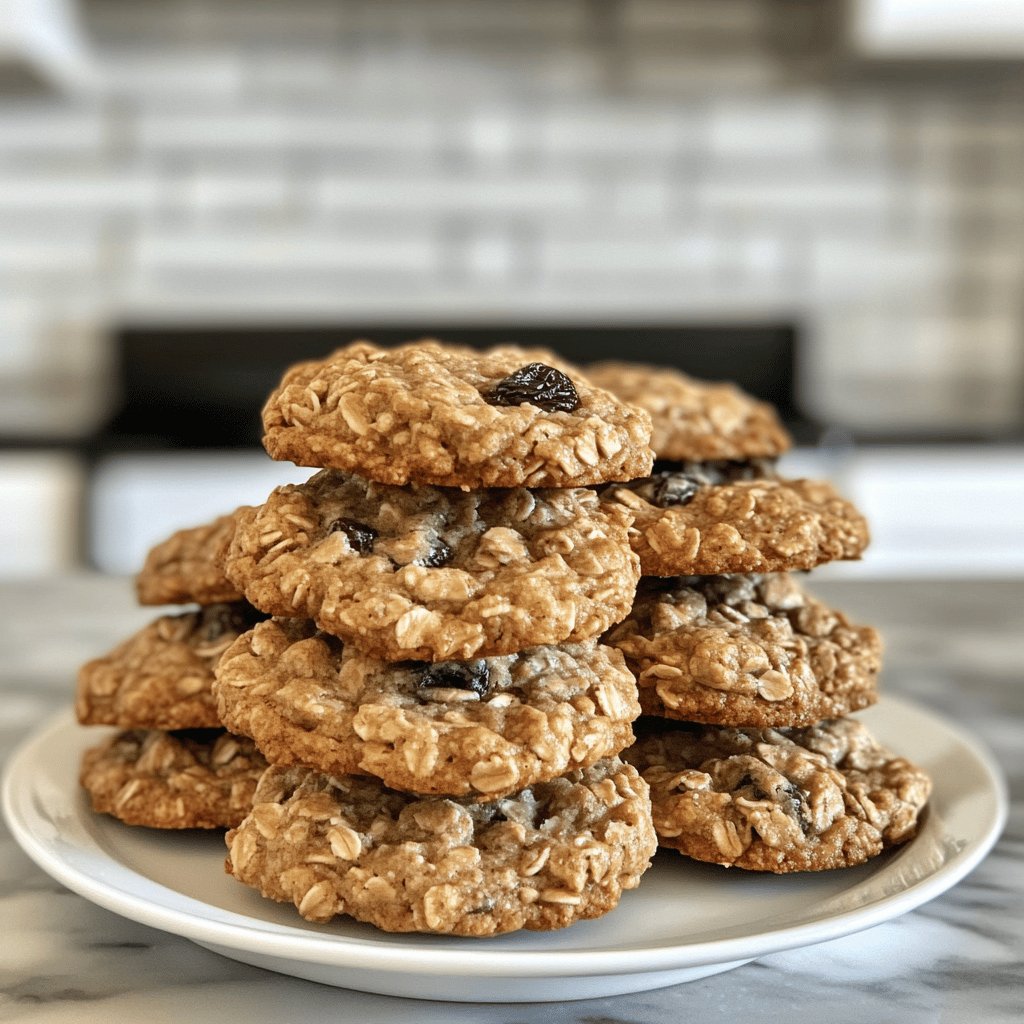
956 647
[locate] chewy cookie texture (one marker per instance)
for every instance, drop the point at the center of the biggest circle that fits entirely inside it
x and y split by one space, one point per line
436 573
162 676
174 780
560 852
745 651
695 420
440 414
700 522
828 796
482 728
186 567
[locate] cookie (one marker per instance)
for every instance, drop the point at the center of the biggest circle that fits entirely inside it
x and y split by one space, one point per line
428 413
705 519
481 728
434 574
559 852
202 778
745 651
780 799
162 676
693 419
185 568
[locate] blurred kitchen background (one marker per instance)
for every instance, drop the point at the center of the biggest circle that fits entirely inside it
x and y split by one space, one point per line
823 200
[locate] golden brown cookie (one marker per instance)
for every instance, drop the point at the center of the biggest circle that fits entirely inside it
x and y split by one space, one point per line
745 651
779 799
693 419
435 573
162 676
185 568
202 778
705 519
480 729
450 416
559 852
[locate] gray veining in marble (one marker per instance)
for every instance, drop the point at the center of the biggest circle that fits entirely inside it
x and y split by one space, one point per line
958 648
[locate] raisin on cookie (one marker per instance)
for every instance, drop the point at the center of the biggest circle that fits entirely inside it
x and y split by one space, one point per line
481 728
779 800
434 573
555 853
455 417
745 651
710 518
185 568
202 778
693 419
162 676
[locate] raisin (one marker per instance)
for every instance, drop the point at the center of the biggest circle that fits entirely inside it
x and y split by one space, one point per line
207 737
675 489
237 618
440 554
798 807
360 536
537 384
457 675
758 792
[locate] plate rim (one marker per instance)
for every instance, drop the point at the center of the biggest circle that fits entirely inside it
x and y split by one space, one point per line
346 952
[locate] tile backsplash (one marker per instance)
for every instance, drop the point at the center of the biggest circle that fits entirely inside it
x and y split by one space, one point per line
339 160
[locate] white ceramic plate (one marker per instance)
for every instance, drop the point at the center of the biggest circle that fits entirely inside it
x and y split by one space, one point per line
686 920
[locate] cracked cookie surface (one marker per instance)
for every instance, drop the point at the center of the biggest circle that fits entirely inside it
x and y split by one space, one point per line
552 854
185 568
745 651
446 415
162 676
201 778
780 800
708 519
481 728
432 573
695 419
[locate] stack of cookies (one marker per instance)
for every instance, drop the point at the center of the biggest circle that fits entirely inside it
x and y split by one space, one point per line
441 721
748 680
173 765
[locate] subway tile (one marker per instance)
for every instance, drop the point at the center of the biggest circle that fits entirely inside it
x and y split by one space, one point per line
163 73
694 257
41 129
251 22
132 21
114 190
664 71
491 256
872 267
469 19
199 22
48 254
805 193
203 195
658 17
516 196
780 128
633 133
414 74
20 356
287 253
311 74
301 130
